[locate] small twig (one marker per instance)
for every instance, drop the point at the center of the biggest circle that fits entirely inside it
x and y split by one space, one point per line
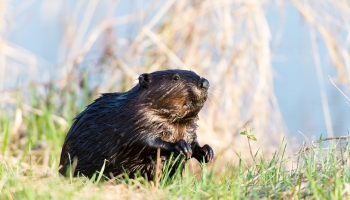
74 166
338 88
157 169
248 133
112 180
332 138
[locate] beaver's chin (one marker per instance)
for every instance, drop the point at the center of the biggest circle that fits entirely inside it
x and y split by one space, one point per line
190 111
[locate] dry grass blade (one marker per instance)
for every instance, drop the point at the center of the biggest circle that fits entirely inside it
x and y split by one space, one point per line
324 99
73 167
314 146
338 88
158 169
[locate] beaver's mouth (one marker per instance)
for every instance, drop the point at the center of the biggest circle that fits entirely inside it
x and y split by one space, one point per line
195 105
192 108
193 101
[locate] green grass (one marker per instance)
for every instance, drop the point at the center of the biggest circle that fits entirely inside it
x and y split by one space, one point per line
267 179
28 170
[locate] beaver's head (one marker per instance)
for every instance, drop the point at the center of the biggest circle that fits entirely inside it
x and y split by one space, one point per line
177 95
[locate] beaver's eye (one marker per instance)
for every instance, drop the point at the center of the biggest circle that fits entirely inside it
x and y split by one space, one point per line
176 78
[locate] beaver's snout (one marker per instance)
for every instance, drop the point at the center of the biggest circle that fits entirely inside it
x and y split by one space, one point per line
204 84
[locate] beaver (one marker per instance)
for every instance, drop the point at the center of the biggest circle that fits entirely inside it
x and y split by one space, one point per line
122 131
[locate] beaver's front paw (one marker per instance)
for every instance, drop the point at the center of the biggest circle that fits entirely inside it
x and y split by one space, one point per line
182 147
207 152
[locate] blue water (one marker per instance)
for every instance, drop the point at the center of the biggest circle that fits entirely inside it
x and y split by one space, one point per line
296 85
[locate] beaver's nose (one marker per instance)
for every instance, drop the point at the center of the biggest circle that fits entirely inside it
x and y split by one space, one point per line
204 83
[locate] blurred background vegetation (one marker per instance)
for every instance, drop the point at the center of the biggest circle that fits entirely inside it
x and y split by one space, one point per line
57 56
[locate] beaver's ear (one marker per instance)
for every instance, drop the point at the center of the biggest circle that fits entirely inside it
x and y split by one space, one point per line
145 80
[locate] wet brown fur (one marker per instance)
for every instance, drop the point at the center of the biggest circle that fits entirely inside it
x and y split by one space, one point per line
125 129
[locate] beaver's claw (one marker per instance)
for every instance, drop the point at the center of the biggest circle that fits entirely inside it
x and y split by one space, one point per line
208 153
183 148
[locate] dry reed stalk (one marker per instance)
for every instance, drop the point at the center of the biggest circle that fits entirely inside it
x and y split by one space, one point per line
341 92
73 167
331 22
158 169
226 41
324 100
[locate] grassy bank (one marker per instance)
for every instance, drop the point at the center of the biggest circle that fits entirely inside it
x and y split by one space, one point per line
320 171
33 131
231 43
315 178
